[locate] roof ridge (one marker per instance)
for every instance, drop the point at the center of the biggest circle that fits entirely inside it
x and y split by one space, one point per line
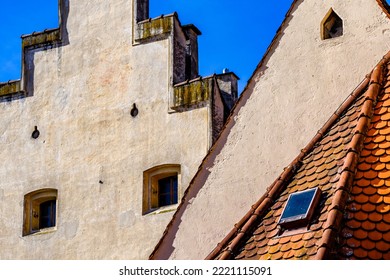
263 203
345 182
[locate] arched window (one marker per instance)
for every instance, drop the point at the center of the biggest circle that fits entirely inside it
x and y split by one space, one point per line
160 187
331 26
40 210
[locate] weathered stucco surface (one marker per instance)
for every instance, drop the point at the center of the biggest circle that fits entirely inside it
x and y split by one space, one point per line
300 84
90 148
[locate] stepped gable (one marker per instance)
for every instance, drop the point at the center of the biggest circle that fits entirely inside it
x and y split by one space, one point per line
349 161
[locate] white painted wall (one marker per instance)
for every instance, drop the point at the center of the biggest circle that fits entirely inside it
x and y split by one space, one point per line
83 94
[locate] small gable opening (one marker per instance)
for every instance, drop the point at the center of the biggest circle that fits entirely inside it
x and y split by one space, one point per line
331 26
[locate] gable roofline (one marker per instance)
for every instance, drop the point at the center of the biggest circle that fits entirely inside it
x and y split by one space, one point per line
373 80
385 7
245 95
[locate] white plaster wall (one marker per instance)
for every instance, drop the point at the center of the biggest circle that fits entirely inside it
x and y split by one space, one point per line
83 93
302 82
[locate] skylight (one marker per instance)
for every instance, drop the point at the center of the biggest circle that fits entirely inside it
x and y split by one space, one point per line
300 208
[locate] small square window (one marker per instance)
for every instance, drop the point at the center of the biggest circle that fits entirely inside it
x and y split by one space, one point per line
161 187
299 208
40 210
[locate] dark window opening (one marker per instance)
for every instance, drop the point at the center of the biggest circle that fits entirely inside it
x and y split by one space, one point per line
167 189
331 26
47 214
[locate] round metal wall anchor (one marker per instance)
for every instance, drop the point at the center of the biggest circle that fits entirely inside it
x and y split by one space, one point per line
134 111
35 133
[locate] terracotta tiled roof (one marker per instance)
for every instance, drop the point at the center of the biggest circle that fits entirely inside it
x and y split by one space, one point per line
349 160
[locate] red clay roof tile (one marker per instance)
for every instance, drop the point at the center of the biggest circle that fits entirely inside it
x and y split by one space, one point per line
386 256
382 246
386 236
382 227
360 253
375 235
383 209
361 198
262 250
286 247
375 198
353 224
300 253
377 183
379 125
367 244
277 256
369 190
306 236
288 255
375 255
375 217
353 243
368 207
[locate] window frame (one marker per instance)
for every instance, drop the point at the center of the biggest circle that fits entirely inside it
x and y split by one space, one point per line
32 208
150 201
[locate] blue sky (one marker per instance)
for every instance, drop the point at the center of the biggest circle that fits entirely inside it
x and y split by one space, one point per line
234 36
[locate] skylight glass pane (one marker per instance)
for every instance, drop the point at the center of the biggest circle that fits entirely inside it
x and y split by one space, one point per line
298 204
299 208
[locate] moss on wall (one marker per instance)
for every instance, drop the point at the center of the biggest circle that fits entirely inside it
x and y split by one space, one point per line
42 38
192 93
9 88
154 27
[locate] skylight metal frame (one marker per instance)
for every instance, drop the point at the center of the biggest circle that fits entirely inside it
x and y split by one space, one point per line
301 219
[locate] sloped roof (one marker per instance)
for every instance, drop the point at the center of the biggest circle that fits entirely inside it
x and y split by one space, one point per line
349 160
